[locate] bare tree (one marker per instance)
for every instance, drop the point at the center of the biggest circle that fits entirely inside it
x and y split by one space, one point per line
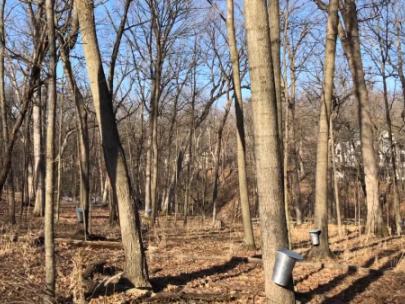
350 37
4 114
240 126
135 268
267 146
321 194
50 272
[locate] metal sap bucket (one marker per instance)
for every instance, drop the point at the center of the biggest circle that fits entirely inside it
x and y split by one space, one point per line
283 266
314 233
79 215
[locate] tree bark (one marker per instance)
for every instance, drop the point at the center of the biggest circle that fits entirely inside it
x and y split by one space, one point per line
240 126
50 271
39 172
335 179
393 154
135 261
4 119
83 137
274 24
267 147
148 166
321 179
351 44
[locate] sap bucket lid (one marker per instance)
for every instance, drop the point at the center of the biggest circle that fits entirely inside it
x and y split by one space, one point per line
291 254
315 230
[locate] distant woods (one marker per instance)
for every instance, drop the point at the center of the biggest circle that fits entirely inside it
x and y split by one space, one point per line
290 111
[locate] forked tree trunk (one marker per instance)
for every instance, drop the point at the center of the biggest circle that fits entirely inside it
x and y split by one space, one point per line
351 43
267 147
240 126
135 261
321 179
50 272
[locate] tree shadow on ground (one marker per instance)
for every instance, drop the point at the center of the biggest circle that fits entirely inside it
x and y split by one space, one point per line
159 283
357 286
306 277
361 284
324 288
369 245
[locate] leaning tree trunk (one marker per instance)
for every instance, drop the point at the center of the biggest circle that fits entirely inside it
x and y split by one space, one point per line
351 44
135 261
50 272
240 126
267 146
83 137
321 179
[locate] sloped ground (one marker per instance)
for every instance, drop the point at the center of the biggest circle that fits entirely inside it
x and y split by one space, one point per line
197 264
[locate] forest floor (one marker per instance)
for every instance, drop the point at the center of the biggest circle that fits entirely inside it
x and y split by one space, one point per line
195 263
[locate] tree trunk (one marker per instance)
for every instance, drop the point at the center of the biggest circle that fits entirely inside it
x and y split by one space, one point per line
335 180
50 272
400 64
59 170
39 172
83 137
267 147
148 166
135 261
274 24
3 113
321 179
240 126
351 44
393 154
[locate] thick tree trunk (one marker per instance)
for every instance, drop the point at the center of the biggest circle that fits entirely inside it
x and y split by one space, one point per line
50 272
267 147
135 261
351 43
321 179
240 126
